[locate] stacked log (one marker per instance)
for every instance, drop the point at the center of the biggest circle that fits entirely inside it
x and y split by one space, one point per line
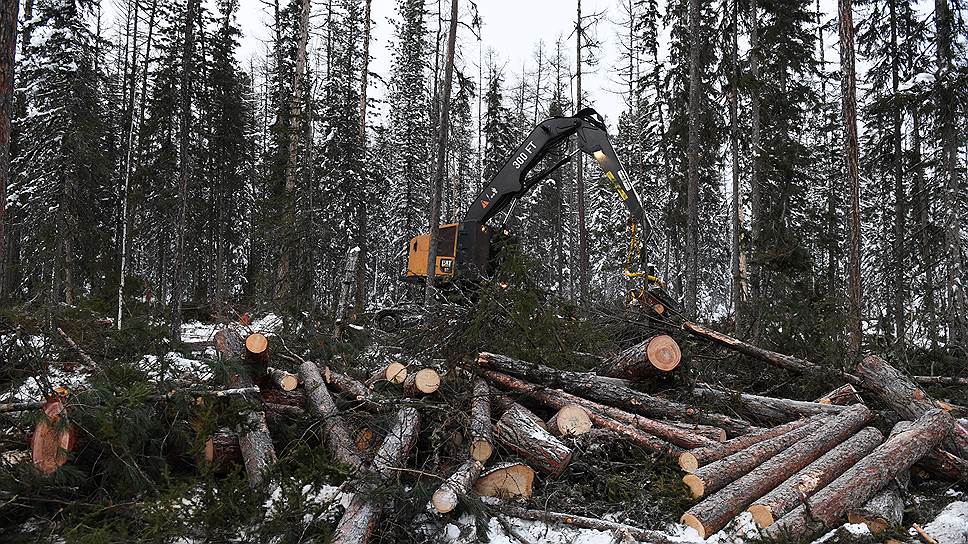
362 515
425 381
715 476
713 513
459 483
502 403
394 373
902 395
481 446
506 481
321 404
257 348
885 509
222 449
658 354
692 460
571 420
518 432
610 391
352 388
790 494
862 481
282 379
766 409
845 395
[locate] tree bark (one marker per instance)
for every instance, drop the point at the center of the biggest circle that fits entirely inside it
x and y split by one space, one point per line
951 525
862 481
845 395
353 389
691 460
184 165
657 354
941 380
222 449
502 403
258 453
362 515
518 432
8 51
885 510
900 394
571 420
557 399
712 477
814 477
610 391
580 172
506 481
764 409
347 288
320 404
737 254
482 441
756 191
848 93
713 433
715 512
459 483
282 379
692 170
444 126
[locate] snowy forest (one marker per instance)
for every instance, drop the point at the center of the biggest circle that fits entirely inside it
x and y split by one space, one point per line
201 240
142 148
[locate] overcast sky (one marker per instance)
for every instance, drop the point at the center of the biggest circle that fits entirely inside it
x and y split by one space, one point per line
512 28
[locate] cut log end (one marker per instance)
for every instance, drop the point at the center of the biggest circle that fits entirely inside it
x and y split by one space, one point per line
696 486
690 520
571 420
762 515
444 500
510 481
426 380
256 343
688 462
664 353
481 450
395 373
876 525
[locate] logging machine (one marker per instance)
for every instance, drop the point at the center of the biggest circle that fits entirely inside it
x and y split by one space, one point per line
468 250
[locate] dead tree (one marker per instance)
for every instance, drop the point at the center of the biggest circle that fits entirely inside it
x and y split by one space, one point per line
862 481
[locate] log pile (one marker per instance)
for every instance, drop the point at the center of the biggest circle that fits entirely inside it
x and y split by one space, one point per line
797 466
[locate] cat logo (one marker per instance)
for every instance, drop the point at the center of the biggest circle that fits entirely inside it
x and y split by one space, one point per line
485 204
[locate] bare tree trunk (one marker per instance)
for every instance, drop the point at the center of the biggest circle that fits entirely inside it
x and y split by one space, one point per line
848 95
444 126
692 189
579 167
737 260
284 272
756 196
8 51
899 286
362 217
184 173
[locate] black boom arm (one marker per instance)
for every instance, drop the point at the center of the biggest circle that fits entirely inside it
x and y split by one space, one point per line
511 181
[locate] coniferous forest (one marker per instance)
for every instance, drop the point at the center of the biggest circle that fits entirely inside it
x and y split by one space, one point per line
202 248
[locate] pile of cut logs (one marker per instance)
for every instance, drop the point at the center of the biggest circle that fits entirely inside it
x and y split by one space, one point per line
798 467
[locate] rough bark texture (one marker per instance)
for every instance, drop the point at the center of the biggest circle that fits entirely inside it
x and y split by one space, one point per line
481 446
902 395
502 403
845 395
459 483
321 404
766 409
715 476
657 354
790 494
610 391
8 49
862 481
353 389
518 432
284 380
713 433
556 399
691 460
362 515
851 156
222 448
506 481
941 380
716 511
885 510
258 453
945 465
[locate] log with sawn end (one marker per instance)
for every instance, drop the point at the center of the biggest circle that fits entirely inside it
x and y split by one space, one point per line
656 355
518 432
691 460
458 484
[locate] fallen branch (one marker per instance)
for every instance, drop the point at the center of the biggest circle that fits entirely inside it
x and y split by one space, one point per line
80 352
941 380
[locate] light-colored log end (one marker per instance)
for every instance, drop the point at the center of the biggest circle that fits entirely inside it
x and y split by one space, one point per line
427 380
664 353
571 420
395 373
509 481
695 484
692 521
876 525
688 462
762 515
444 500
256 343
209 450
481 450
